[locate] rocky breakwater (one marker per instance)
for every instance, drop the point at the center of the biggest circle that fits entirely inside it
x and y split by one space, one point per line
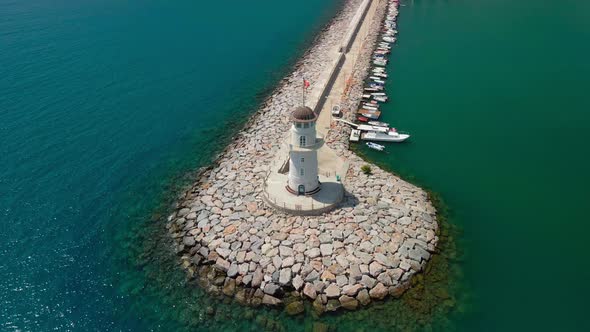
367 249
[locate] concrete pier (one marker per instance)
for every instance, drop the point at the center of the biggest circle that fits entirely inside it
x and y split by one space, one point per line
235 239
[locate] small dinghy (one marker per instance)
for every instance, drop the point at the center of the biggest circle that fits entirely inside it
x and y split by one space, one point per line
375 146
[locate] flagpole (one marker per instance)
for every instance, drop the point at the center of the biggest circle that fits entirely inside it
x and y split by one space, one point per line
303 92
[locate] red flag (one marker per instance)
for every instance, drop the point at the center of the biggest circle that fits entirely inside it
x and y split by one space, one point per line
305 83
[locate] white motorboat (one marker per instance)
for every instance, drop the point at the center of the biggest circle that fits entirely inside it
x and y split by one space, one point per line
375 146
394 137
378 81
365 127
379 124
370 107
398 137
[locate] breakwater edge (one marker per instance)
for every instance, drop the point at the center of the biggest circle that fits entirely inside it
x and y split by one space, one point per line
366 249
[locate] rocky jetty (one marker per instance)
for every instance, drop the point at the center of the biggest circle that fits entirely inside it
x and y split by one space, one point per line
368 248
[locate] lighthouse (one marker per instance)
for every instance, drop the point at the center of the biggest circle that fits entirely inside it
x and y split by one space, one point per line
303 156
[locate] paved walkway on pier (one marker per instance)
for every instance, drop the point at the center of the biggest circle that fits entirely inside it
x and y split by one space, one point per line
336 92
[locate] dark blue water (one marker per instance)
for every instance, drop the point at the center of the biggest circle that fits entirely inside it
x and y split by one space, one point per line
103 105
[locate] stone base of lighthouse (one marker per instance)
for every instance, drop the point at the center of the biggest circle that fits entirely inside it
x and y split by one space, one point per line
321 201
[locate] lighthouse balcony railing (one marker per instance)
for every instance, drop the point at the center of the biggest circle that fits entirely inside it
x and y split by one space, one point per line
319 141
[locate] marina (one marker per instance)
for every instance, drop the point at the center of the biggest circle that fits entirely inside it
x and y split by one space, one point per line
368 111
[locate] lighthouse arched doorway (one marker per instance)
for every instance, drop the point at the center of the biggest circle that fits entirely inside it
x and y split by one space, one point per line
301 190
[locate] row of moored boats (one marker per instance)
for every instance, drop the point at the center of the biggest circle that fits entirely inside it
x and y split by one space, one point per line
369 127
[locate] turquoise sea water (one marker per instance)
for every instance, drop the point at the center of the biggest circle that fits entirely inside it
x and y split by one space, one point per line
102 105
495 94
106 106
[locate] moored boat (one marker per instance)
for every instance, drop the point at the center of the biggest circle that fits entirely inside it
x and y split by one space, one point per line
372 128
384 137
379 124
370 116
375 146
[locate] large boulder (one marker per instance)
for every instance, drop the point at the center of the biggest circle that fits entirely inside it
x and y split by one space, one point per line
230 287
379 292
363 297
309 291
349 303
270 300
295 308
332 291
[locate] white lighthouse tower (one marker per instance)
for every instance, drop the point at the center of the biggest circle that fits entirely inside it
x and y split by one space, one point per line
303 162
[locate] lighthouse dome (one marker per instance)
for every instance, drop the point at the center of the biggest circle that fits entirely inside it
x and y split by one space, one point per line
303 114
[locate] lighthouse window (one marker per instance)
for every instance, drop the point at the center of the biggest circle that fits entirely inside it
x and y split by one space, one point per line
301 140
302 160
298 125
306 125
301 172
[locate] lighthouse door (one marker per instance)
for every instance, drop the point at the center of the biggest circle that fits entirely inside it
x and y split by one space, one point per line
301 189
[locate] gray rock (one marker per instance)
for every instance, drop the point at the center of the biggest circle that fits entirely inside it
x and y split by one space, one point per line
233 270
297 282
396 274
294 308
352 290
326 249
379 292
221 264
375 269
288 262
257 278
312 276
367 281
285 251
285 276
363 297
223 252
309 291
332 305
229 287
277 262
332 291
341 280
188 241
183 212
247 279
270 300
271 288
348 303
385 279
313 253
355 272
325 238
